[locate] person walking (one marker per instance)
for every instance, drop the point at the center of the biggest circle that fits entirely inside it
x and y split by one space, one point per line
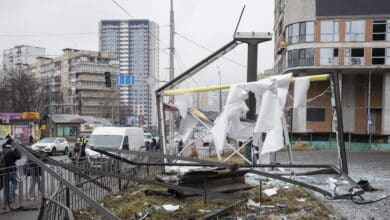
10 156
35 172
74 155
83 145
153 145
31 140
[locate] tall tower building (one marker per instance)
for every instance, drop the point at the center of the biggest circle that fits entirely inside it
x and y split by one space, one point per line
350 37
135 42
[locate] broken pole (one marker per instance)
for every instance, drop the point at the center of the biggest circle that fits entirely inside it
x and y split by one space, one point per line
336 105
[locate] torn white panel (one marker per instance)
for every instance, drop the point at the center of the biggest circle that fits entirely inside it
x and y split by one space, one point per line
171 208
283 83
187 126
182 103
229 118
270 192
269 114
274 140
242 133
236 94
270 96
301 87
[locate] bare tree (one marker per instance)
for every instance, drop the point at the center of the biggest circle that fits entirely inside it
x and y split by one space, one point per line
24 93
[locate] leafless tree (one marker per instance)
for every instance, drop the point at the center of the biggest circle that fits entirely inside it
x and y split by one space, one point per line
24 93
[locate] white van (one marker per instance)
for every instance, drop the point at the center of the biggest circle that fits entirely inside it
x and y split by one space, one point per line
124 138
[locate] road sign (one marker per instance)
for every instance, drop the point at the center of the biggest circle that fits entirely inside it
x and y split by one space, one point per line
124 79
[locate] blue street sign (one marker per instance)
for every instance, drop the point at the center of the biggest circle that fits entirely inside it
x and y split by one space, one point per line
124 79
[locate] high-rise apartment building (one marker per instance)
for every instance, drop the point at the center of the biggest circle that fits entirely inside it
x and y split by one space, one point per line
78 78
351 37
21 54
136 44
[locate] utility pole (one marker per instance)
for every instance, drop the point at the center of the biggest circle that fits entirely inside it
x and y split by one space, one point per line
171 65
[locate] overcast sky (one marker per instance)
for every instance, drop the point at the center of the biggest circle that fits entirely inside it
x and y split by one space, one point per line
58 24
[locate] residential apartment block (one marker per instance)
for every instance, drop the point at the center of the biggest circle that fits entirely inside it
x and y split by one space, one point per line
21 54
136 44
78 78
351 37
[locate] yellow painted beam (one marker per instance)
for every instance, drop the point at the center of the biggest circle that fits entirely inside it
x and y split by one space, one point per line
314 78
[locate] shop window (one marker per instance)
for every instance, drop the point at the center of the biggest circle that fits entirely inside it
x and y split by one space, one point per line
354 56
315 114
329 56
355 30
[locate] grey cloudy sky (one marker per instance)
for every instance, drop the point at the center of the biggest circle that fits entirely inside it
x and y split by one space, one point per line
47 23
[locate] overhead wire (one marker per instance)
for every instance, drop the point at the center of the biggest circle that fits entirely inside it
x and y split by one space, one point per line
48 34
208 49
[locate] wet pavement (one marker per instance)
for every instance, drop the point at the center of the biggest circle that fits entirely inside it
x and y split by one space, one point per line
371 166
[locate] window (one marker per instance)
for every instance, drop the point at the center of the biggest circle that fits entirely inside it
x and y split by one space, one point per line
354 30
300 32
301 57
329 31
381 30
329 56
315 114
354 56
381 56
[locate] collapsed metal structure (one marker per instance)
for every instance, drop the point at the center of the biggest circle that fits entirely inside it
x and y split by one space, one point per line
341 170
88 185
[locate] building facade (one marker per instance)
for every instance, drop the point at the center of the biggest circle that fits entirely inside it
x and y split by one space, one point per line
351 37
21 54
135 42
78 78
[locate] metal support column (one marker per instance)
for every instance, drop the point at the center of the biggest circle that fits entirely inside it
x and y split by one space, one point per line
252 39
251 76
340 129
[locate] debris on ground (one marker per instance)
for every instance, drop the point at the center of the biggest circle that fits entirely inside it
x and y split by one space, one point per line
171 208
270 192
283 205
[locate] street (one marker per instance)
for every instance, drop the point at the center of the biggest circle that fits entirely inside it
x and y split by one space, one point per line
371 166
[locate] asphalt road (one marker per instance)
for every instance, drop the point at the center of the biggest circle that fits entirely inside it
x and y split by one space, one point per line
371 166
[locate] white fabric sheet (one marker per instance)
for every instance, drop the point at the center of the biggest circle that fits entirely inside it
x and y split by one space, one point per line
186 127
270 96
301 87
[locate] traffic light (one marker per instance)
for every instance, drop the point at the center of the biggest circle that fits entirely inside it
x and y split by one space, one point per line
107 77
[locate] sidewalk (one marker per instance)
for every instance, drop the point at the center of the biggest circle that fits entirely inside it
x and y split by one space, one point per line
20 215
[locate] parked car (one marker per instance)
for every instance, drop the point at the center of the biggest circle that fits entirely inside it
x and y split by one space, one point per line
51 145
